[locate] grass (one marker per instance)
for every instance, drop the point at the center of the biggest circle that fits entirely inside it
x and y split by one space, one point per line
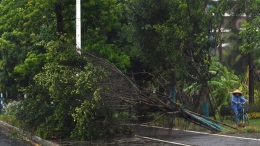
11 120
247 129
14 133
253 127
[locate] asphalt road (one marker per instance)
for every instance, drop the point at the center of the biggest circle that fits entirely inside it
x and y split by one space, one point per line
192 138
153 136
6 139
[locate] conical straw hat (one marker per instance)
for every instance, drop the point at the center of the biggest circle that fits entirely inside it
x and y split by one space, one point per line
237 91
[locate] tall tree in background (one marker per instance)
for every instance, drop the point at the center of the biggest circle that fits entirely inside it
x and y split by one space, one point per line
24 37
36 23
251 38
169 40
172 39
12 43
101 26
40 39
233 57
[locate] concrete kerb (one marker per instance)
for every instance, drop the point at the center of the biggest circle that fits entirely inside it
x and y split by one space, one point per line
31 139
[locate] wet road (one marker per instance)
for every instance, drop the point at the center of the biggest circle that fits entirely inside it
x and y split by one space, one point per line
7 140
192 138
154 136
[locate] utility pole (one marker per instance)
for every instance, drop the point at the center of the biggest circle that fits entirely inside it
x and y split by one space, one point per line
78 26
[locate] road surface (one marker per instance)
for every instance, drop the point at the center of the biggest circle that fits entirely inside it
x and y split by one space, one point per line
192 138
154 136
7 140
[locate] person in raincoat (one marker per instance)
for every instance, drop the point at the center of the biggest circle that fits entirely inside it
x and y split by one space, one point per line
236 103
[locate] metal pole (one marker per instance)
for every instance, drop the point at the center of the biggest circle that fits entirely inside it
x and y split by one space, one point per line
78 26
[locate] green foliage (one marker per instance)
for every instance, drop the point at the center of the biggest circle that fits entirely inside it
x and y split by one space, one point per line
251 35
254 115
224 83
171 40
102 36
38 59
36 101
93 122
87 127
221 85
65 95
18 30
9 112
12 108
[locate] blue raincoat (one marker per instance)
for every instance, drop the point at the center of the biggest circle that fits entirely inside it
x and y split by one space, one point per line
236 104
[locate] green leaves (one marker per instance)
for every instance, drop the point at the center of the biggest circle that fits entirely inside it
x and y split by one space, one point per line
251 35
63 87
32 65
38 57
224 83
172 35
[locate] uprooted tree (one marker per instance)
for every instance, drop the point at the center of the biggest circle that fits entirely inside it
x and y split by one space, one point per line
155 44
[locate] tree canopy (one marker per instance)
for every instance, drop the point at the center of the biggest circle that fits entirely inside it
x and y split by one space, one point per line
129 46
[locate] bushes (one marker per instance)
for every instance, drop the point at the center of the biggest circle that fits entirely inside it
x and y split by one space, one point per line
254 108
65 102
254 115
9 112
93 122
254 111
12 108
63 99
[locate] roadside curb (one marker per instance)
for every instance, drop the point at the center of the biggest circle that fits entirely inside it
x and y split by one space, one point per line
31 139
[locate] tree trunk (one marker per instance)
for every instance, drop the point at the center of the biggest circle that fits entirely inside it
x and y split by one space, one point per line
220 53
203 98
251 79
59 17
250 63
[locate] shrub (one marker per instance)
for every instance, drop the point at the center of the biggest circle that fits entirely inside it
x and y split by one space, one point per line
254 108
12 108
254 115
9 113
